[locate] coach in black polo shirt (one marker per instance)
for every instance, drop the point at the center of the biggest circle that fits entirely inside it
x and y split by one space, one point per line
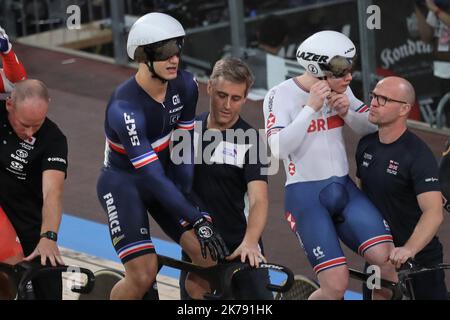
400 176
33 163
230 180
444 175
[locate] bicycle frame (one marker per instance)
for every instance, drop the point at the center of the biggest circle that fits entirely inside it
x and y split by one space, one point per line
221 275
402 289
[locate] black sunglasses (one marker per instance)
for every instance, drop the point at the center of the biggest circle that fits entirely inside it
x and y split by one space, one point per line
164 50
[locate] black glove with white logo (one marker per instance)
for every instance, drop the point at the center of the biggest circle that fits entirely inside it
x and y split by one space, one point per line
209 238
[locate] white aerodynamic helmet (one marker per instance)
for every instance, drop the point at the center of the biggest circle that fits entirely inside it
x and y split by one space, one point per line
151 28
327 53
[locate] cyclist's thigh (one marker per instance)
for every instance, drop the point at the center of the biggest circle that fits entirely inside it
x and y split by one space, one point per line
10 248
170 224
364 227
126 213
313 226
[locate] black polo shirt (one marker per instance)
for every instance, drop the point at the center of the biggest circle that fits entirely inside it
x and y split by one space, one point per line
444 175
221 178
392 176
21 166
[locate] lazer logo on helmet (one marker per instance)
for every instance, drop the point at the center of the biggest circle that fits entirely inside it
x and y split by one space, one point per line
309 56
131 128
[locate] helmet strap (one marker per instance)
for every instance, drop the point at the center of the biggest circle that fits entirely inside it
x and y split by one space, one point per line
150 67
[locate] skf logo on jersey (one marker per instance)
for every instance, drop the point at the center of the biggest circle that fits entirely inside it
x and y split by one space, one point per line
392 167
291 168
291 220
318 253
270 120
131 128
176 99
309 56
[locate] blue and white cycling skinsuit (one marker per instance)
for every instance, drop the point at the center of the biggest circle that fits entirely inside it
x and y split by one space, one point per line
322 203
138 175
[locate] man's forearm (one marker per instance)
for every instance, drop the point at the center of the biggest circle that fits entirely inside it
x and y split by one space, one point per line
425 230
256 223
51 213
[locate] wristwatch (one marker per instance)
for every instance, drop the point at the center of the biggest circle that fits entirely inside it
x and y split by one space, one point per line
50 235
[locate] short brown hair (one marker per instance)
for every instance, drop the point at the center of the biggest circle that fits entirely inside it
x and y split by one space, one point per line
234 70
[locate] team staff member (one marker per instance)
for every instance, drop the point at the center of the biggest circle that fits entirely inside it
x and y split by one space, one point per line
229 180
444 176
399 174
33 164
138 175
13 70
304 117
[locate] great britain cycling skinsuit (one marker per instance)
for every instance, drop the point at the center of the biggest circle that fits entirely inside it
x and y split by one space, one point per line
135 178
322 203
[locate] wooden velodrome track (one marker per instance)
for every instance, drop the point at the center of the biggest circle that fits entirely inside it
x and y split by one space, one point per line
80 89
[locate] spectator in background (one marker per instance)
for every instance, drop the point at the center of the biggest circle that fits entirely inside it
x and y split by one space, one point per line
272 34
435 29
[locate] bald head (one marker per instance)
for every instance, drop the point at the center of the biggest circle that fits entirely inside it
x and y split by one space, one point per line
403 88
27 107
29 89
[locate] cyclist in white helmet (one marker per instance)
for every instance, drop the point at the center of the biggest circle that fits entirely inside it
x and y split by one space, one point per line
138 175
304 119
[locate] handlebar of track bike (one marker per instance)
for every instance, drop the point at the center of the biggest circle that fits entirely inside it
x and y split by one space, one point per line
221 275
24 272
402 288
